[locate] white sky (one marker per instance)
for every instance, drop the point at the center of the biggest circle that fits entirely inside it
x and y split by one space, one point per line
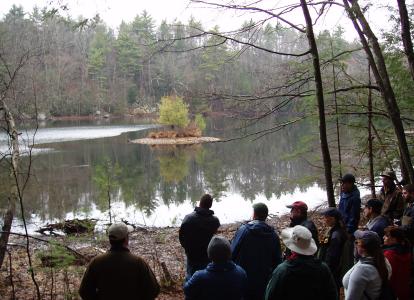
114 11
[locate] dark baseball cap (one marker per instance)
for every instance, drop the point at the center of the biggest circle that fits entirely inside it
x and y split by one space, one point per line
348 178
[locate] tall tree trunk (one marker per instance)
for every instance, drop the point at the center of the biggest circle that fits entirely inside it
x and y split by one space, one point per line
406 35
321 105
338 136
381 76
370 139
13 197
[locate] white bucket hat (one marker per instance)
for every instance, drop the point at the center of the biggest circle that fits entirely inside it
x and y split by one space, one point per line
299 239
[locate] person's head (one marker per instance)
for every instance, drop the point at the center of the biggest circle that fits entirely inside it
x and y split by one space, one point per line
260 211
299 239
408 193
388 178
331 216
347 183
219 250
368 244
394 236
118 234
206 201
372 208
298 210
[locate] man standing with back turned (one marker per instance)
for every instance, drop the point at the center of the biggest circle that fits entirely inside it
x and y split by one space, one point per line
118 274
195 234
256 248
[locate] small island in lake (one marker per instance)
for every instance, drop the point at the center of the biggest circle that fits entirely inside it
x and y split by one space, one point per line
182 131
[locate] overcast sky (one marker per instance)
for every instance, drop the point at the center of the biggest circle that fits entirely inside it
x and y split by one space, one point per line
114 11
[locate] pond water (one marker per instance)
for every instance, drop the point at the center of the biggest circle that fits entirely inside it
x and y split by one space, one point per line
75 164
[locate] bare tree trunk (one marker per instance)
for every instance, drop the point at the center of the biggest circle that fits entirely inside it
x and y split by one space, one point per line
321 105
406 35
338 136
381 76
13 197
370 138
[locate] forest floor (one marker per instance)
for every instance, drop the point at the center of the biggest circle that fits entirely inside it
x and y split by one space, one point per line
59 274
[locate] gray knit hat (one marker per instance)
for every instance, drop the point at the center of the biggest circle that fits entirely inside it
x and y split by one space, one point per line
119 231
218 249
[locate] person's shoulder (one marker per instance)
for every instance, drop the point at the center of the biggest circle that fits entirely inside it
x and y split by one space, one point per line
282 267
100 258
323 265
240 270
355 193
135 259
189 217
385 221
337 234
308 223
201 275
243 227
364 269
389 253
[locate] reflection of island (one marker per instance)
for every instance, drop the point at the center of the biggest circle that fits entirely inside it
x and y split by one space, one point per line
174 166
149 177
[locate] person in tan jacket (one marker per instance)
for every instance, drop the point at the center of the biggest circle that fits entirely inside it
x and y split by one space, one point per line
390 195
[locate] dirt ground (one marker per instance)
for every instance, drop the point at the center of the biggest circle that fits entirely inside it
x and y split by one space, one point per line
60 278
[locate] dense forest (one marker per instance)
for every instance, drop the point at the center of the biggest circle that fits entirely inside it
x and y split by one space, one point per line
78 69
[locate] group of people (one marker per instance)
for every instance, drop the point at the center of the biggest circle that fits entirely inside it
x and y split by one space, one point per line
372 261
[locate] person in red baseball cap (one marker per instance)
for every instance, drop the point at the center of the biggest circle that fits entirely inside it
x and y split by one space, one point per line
299 216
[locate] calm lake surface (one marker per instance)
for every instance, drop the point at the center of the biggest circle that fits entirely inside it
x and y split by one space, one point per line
74 163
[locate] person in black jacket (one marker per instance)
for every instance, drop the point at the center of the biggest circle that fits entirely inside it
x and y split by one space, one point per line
195 233
299 216
332 245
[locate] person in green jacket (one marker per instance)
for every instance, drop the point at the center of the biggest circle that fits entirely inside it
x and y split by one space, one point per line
118 274
301 275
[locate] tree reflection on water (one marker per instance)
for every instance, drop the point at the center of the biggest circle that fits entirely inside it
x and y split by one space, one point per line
65 181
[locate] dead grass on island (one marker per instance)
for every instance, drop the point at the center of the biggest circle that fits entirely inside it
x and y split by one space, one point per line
176 141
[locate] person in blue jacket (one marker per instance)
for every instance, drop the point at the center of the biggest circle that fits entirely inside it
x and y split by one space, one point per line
222 279
350 209
350 203
256 248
